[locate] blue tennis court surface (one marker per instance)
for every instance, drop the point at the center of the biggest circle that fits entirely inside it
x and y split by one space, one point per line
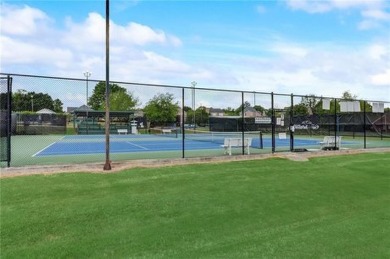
95 144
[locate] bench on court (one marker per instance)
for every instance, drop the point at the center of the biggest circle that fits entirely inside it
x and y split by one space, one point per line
230 143
166 131
122 131
331 143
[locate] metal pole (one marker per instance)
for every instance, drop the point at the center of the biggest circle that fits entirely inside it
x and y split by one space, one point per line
273 122
193 83
182 123
32 103
9 119
87 75
335 124
292 124
107 165
364 122
242 123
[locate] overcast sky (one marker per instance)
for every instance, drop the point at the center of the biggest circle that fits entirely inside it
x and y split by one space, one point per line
292 46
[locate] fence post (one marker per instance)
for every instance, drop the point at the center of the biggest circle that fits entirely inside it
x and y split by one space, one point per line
182 123
335 124
107 165
292 124
243 122
273 122
364 126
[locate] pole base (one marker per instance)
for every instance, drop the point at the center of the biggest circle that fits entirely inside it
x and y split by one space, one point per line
107 166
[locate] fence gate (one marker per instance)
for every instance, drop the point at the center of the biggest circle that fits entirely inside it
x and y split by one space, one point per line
5 115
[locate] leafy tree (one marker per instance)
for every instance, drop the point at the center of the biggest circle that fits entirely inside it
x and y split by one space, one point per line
28 101
57 105
239 109
189 119
187 109
98 101
161 109
201 116
259 108
300 109
122 101
230 111
42 101
21 101
348 96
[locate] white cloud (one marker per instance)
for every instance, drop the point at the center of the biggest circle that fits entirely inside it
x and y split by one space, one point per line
80 45
92 30
22 21
382 79
323 6
321 69
140 53
376 14
373 12
309 6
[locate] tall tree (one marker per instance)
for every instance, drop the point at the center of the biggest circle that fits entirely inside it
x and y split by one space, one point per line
123 101
348 96
31 101
201 116
246 105
97 101
57 106
161 109
229 111
259 108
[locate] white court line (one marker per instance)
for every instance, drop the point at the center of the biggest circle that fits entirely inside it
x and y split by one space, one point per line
47 146
144 148
43 149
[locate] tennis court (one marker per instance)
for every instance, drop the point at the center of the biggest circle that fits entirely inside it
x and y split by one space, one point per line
69 149
95 144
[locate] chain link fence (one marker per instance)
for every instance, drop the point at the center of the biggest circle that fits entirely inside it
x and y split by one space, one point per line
62 120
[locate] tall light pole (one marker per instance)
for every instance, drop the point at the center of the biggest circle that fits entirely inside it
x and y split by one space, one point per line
107 165
193 84
32 103
87 75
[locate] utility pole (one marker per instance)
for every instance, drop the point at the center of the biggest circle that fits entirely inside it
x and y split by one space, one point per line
107 165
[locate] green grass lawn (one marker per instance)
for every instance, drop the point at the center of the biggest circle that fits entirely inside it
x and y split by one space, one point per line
325 208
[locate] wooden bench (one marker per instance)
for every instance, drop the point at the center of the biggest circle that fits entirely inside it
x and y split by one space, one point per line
230 143
331 143
122 131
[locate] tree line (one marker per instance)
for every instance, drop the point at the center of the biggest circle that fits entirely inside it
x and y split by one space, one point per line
162 109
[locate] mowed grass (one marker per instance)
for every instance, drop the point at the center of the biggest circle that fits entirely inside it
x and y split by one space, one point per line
327 207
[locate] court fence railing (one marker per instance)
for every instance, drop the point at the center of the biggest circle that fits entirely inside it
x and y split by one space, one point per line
43 108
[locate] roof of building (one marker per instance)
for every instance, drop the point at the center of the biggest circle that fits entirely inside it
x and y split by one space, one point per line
46 111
